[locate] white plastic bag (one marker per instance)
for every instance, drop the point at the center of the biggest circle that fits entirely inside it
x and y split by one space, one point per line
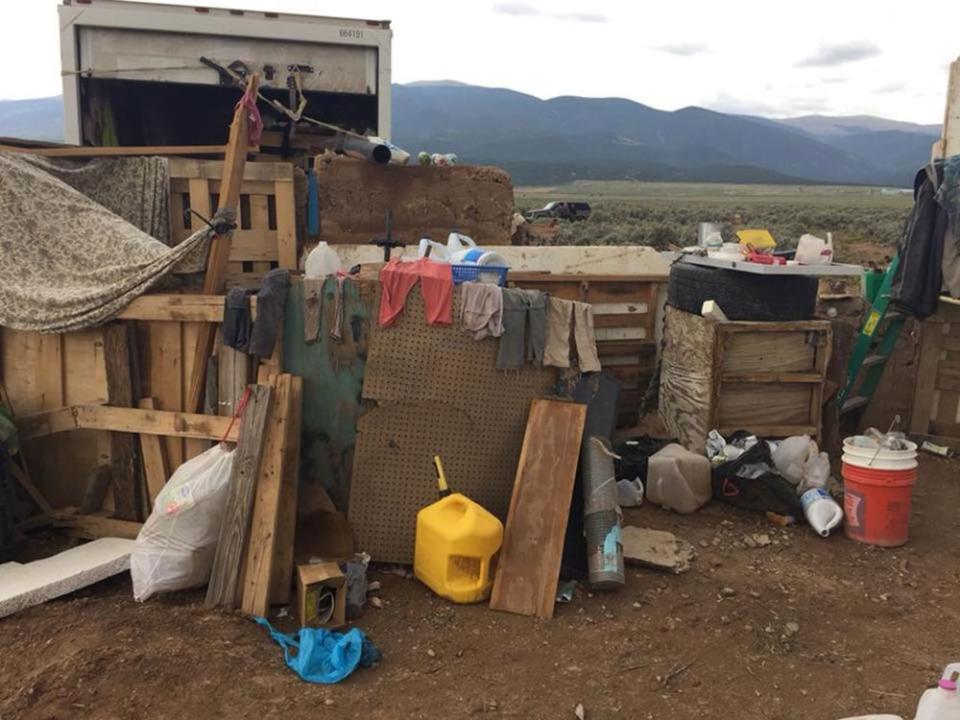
175 547
800 461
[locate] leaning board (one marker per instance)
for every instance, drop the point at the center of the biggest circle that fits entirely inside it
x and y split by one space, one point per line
433 391
529 565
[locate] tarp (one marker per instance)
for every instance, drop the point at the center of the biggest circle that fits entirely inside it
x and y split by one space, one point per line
70 255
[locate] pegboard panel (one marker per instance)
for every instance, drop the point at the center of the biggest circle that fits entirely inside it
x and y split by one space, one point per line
438 393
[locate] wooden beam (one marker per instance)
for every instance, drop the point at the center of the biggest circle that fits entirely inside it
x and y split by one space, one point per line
48 422
281 579
91 527
951 118
87 151
156 469
179 308
218 260
32 490
225 582
123 450
269 172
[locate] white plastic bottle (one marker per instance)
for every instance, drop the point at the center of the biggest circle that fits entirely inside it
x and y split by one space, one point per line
822 511
322 261
943 701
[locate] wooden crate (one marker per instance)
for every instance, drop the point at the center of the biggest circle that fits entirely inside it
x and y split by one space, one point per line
624 317
266 237
765 377
936 406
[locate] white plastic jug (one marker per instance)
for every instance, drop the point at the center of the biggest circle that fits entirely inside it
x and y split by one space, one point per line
322 261
943 701
678 479
812 250
822 511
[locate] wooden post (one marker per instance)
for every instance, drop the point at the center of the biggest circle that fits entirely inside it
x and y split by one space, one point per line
217 262
123 451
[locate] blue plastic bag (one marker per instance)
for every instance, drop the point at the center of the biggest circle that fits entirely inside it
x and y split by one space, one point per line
322 656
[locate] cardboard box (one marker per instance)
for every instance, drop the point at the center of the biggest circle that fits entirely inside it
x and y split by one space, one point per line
321 595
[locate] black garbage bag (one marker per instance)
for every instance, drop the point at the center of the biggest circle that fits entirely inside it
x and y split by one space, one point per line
634 454
737 483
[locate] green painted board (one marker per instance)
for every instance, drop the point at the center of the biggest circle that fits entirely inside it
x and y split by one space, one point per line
332 375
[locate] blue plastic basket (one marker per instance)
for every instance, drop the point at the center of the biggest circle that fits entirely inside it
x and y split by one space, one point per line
471 273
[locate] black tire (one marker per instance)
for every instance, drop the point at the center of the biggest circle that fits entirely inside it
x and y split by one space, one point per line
742 295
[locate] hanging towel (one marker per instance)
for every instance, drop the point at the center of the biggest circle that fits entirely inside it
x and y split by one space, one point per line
270 302
524 328
481 309
322 656
436 286
236 319
584 337
312 305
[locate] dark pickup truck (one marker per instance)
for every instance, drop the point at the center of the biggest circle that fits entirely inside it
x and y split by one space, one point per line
561 210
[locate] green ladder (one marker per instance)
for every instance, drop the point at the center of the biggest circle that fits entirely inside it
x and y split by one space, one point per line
875 344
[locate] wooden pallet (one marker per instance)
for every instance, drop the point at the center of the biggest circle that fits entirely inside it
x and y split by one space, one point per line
266 236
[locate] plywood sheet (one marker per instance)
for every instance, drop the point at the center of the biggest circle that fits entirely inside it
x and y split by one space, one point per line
746 405
436 391
687 377
745 352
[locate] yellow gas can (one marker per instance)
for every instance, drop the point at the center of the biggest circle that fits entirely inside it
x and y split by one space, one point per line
457 543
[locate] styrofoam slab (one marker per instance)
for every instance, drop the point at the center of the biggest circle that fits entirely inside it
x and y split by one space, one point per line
26 585
759 269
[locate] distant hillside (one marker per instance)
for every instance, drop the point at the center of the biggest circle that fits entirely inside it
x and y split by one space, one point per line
40 119
569 138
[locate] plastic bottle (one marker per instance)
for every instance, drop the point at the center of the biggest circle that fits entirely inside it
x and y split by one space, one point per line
943 701
812 250
678 479
822 511
322 261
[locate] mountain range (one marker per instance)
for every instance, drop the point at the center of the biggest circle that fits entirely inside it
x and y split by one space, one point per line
568 138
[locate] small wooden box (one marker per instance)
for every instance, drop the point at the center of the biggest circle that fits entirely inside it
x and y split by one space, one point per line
764 377
316 585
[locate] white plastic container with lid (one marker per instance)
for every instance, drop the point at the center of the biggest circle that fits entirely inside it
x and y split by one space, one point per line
812 250
943 701
678 479
321 262
823 512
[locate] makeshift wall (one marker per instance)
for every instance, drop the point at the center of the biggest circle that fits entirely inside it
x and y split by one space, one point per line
426 201
436 392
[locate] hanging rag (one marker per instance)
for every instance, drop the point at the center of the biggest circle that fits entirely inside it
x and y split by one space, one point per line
336 329
270 301
237 322
436 286
481 309
312 305
948 196
322 656
524 328
562 316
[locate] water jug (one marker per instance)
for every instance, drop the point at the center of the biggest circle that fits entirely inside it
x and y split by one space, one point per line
457 542
812 250
943 701
678 479
822 511
322 261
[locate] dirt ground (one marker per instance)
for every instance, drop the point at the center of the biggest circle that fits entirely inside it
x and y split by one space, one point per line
814 629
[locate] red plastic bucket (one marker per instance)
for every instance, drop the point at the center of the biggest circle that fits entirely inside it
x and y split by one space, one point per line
876 504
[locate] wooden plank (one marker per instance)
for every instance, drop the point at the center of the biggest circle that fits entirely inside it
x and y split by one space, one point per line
116 151
931 341
287 255
156 469
945 429
259 246
179 308
234 376
95 493
224 586
50 371
213 170
218 260
21 476
620 320
48 422
260 223
191 333
164 368
123 452
264 537
281 578
951 119
529 565
155 422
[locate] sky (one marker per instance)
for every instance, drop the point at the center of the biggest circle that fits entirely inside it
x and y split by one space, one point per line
762 57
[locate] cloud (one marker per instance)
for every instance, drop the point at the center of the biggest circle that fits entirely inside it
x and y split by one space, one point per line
832 80
833 55
581 17
522 9
516 9
893 87
683 49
